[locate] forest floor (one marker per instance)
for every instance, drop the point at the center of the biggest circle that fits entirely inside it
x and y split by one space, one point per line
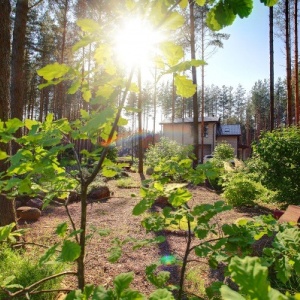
115 214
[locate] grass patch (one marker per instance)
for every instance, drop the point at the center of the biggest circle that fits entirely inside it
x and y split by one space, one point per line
25 268
194 281
127 183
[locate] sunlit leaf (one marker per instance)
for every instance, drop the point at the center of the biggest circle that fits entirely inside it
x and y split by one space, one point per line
179 197
74 87
184 86
3 155
12 125
200 2
173 53
29 123
228 294
53 71
161 294
100 293
109 172
122 282
86 94
74 295
269 2
61 229
183 3
82 43
70 251
88 25
105 91
102 53
5 231
174 21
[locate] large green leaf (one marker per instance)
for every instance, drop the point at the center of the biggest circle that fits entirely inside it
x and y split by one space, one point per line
53 71
3 155
184 86
229 294
70 251
242 8
174 21
179 197
251 276
122 282
100 293
269 2
88 25
172 52
161 294
5 231
141 207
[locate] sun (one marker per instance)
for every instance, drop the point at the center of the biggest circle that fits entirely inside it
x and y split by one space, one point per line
136 43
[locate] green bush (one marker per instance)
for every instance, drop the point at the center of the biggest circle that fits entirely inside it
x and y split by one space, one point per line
241 191
278 156
223 152
26 270
165 150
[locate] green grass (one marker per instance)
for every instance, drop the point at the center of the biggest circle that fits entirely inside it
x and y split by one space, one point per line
194 281
24 266
127 183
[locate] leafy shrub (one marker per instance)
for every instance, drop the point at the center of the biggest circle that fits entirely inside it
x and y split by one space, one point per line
26 270
223 152
279 151
165 150
241 191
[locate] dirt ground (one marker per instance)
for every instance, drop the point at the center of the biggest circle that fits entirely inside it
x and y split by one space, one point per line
115 214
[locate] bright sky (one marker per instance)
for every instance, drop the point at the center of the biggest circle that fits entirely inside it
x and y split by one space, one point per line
245 56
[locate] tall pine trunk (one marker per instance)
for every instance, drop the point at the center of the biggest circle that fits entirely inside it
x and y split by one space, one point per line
288 64
7 211
194 77
297 109
271 68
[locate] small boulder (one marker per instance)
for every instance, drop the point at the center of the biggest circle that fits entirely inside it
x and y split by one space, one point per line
27 213
35 202
99 193
73 197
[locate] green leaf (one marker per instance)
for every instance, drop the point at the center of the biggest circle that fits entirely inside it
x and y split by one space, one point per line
109 172
228 294
74 295
49 253
61 229
184 86
12 125
132 295
161 294
3 155
172 52
114 254
100 293
174 21
53 71
183 4
200 2
242 8
269 2
74 87
179 197
82 43
70 251
122 282
88 25
88 290
141 207
251 276
6 230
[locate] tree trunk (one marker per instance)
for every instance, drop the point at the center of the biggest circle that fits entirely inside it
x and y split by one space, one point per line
297 109
7 211
17 65
194 77
288 64
140 140
271 69
202 84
